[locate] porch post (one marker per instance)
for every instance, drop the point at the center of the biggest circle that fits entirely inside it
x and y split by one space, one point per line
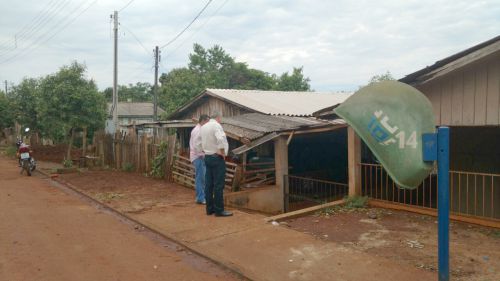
281 166
354 159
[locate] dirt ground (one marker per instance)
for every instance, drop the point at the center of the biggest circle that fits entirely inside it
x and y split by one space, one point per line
47 234
409 239
128 192
405 238
54 153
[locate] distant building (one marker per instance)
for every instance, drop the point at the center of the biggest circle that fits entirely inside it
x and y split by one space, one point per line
130 112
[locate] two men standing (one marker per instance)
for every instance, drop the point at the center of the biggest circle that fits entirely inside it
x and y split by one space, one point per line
214 147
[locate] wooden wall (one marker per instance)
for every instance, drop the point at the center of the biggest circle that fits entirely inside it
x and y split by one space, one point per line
210 104
468 96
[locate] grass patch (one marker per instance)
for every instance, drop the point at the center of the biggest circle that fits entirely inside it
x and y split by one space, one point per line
356 202
352 204
109 196
128 167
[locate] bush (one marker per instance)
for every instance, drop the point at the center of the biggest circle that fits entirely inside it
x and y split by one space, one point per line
11 151
356 202
67 163
158 164
128 167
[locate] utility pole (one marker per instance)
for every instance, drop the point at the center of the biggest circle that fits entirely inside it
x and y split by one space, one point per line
5 87
115 71
155 87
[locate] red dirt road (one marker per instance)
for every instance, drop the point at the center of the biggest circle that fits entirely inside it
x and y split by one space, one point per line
46 234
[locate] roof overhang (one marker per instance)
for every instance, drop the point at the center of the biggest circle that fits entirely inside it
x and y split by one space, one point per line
456 61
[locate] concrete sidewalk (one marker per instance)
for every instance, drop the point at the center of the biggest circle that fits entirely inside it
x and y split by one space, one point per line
262 251
258 250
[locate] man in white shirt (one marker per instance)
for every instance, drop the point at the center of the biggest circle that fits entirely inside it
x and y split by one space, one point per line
215 147
196 156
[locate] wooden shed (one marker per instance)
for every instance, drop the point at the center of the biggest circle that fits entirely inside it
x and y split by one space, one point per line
283 157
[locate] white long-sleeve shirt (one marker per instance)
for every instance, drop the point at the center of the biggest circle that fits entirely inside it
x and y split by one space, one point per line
213 138
195 149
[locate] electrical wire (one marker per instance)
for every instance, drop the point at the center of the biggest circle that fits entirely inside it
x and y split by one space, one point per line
30 24
186 28
37 25
124 7
169 54
63 26
136 39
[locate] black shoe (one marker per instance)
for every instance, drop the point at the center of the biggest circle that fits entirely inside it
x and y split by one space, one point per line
224 214
210 213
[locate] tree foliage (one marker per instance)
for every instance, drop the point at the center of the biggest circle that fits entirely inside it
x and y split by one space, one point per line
214 68
6 116
24 103
140 92
68 100
381 77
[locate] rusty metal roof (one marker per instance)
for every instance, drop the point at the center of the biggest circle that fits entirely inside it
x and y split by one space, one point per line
280 102
255 125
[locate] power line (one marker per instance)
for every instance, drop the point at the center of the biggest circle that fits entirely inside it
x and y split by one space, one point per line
136 39
124 7
32 22
180 33
66 24
169 54
38 24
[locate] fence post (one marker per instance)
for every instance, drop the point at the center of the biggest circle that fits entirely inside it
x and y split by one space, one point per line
171 139
354 159
281 164
443 203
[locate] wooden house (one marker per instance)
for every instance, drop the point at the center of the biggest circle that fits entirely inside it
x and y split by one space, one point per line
464 90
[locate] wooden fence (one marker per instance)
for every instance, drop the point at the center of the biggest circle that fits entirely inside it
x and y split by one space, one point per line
183 173
131 152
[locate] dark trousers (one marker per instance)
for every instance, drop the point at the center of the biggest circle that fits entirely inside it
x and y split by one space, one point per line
214 183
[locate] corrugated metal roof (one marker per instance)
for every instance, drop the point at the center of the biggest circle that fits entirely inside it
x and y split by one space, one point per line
255 125
135 109
281 103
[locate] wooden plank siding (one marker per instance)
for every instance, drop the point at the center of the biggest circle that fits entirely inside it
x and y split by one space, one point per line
469 96
211 104
492 93
457 98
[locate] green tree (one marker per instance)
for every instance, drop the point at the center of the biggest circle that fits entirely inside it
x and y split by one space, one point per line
6 116
214 68
24 103
140 92
293 82
68 101
178 87
381 77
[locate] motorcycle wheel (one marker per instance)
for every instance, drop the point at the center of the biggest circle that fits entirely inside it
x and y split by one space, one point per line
26 166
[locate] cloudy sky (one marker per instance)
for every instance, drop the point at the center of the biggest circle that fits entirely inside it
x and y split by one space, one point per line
340 44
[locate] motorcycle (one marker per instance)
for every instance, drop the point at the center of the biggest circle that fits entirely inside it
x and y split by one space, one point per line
28 162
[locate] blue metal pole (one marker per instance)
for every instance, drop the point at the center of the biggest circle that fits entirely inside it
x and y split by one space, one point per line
443 203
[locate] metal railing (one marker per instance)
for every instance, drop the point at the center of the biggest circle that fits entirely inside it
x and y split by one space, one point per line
471 194
301 192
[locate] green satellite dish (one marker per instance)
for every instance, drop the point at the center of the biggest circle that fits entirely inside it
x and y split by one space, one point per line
390 117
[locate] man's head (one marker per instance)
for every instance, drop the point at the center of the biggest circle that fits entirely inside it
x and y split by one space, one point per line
217 116
203 119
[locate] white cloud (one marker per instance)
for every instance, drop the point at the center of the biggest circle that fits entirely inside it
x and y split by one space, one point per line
340 44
